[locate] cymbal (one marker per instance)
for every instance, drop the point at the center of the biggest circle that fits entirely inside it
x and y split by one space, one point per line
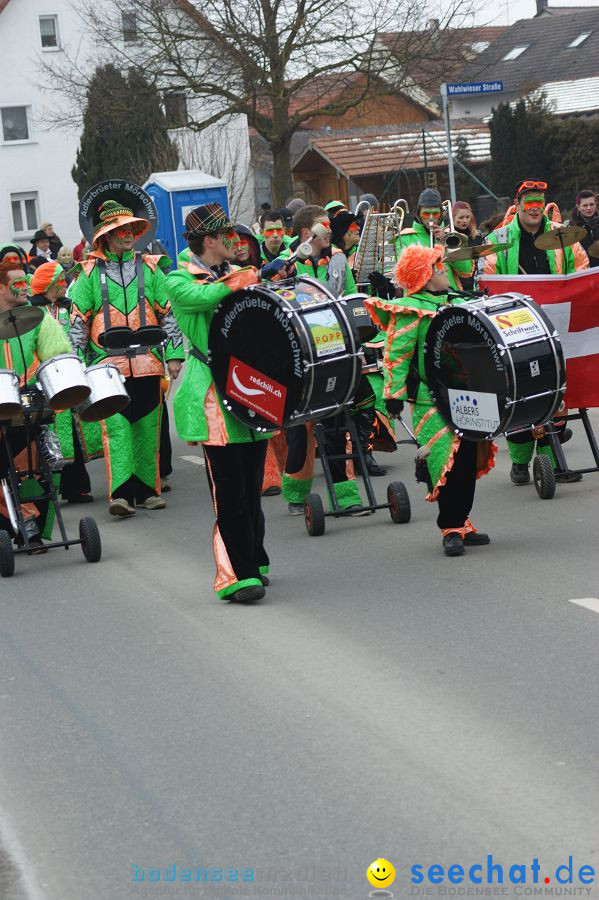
24 317
475 252
593 249
563 236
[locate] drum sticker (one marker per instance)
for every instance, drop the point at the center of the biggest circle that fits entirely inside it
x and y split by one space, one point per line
535 369
474 411
326 332
331 384
256 390
518 325
285 295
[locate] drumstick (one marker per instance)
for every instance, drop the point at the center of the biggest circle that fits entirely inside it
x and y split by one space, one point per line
304 250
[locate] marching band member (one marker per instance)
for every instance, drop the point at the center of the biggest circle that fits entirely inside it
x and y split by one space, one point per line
234 453
112 283
48 288
453 464
329 265
426 229
272 236
43 342
523 223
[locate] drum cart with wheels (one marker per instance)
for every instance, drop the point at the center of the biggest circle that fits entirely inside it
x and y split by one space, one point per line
89 536
398 500
543 473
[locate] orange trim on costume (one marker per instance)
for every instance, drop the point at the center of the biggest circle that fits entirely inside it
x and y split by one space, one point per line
225 576
424 419
106 446
438 435
461 531
242 278
272 471
217 429
581 259
446 469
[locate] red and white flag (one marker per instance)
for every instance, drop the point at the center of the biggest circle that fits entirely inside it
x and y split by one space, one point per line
572 304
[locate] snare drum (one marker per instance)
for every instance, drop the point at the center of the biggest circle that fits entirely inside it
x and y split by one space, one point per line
108 395
361 318
283 355
63 381
10 395
494 366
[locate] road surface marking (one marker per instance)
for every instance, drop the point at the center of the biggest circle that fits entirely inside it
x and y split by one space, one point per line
196 460
588 603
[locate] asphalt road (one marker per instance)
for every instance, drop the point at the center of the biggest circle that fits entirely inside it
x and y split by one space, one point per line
383 701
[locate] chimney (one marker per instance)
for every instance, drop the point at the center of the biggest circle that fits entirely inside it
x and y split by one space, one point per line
542 6
433 24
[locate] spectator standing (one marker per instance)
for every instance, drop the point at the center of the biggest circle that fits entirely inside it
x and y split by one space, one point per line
465 223
55 242
585 213
40 246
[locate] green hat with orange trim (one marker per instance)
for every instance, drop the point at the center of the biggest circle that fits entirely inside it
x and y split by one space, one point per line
115 215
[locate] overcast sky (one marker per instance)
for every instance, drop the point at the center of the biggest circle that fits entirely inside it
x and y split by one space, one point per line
506 12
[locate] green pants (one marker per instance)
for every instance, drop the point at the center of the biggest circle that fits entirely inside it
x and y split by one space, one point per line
131 442
522 452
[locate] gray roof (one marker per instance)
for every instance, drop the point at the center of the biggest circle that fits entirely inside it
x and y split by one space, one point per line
547 58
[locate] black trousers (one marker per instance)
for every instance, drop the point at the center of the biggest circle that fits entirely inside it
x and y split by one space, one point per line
18 443
166 450
235 474
74 479
457 494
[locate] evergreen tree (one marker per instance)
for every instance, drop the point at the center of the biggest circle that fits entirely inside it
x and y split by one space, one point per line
124 131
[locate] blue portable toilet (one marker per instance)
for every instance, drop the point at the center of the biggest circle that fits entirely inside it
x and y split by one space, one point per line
175 194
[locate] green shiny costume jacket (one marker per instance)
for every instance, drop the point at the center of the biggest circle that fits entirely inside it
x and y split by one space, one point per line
406 321
87 316
194 294
506 261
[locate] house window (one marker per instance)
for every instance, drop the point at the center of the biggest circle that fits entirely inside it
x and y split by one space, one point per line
15 124
129 26
24 213
175 107
580 39
49 32
515 53
431 180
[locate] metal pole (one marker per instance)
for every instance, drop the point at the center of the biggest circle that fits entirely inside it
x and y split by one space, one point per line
425 158
448 139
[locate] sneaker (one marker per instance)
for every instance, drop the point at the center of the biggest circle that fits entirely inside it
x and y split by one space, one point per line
519 473
295 509
272 491
569 477
247 594
37 546
165 485
153 502
265 580
476 539
565 435
120 507
453 545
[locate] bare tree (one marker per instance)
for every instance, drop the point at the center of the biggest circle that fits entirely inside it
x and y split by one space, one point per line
278 62
222 150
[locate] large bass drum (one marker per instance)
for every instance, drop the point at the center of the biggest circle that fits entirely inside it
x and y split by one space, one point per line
282 355
494 366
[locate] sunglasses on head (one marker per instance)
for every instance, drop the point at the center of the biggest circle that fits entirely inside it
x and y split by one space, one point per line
540 185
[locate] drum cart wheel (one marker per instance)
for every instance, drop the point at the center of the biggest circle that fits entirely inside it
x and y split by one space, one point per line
7 556
544 477
91 543
314 515
399 503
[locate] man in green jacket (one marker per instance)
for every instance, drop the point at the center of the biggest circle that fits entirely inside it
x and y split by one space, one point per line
453 464
522 257
234 453
427 229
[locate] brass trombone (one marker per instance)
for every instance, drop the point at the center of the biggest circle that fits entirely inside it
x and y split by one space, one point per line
399 211
453 239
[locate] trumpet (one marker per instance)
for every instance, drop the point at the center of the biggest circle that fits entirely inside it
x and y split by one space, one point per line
453 239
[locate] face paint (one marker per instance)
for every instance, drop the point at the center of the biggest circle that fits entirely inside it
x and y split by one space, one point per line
430 213
354 228
230 239
17 285
61 284
271 232
123 233
529 202
242 245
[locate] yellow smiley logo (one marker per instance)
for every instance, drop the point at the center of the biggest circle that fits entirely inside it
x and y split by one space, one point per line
380 873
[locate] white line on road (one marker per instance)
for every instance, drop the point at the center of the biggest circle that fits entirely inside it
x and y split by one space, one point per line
196 460
588 603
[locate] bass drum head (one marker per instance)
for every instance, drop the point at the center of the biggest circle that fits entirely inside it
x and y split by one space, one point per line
467 375
257 355
130 195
